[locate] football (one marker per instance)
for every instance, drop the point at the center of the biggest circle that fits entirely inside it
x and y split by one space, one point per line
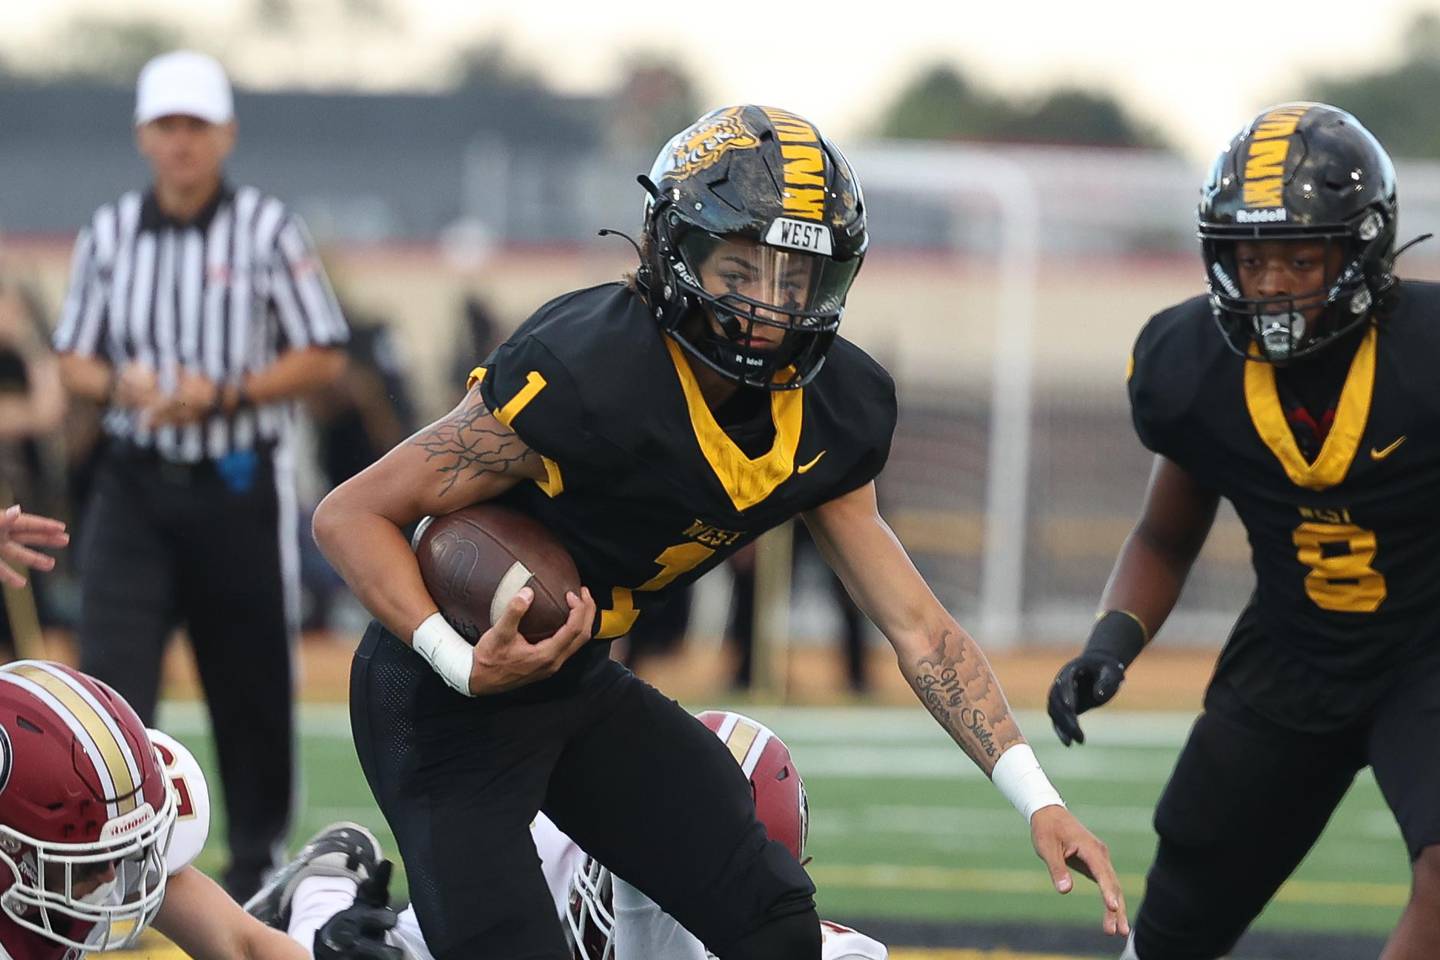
475 560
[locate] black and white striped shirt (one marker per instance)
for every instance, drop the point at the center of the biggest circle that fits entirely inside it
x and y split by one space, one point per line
222 295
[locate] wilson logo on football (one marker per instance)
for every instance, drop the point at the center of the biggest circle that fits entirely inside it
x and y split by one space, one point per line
458 558
1265 157
705 146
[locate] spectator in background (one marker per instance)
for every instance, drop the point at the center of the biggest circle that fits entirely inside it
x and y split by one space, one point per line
197 312
356 418
741 629
368 409
32 400
478 337
32 406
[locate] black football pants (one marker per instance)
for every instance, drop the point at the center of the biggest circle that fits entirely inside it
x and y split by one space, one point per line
166 544
1248 799
633 778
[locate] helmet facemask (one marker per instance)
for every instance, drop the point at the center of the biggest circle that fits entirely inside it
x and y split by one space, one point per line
762 179
1300 172
46 896
1284 328
757 314
589 914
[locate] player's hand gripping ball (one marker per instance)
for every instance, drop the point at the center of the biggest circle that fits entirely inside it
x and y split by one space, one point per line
475 560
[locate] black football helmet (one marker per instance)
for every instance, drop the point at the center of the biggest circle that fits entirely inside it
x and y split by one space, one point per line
1299 171
761 191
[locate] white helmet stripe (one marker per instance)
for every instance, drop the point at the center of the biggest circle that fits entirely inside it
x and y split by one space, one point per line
103 713
112 758
746 739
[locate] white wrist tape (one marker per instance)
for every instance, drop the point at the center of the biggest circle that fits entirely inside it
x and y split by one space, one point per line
1018 776
446 651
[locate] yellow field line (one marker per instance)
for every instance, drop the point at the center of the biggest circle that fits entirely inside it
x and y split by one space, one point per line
1037 881
928 954
160 951
171 952
157 948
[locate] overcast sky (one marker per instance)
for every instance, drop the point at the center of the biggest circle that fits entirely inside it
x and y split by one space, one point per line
1195 68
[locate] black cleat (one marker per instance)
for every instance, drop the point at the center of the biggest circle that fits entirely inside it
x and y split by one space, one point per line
342 849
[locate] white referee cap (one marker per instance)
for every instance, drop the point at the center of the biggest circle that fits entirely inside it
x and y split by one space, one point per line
183 82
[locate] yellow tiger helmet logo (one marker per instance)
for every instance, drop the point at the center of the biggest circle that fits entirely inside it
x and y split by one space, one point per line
702 146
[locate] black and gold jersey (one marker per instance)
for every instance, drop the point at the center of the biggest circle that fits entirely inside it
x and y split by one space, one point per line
644 487
1345 545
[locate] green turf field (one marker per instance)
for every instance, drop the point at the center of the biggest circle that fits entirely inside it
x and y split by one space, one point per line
904 826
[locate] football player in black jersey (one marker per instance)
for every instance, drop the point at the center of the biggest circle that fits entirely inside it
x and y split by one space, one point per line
655 427
1302 389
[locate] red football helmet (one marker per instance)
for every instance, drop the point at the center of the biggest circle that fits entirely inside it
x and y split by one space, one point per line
780 804
85 810
780 801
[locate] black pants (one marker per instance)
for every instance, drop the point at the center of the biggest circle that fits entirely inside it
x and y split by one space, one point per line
633 778
167 544
1249 798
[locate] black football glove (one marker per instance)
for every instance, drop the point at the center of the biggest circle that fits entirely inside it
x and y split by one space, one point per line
358 931
1088 681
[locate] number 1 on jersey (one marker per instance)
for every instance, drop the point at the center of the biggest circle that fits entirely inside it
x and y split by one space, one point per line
617 620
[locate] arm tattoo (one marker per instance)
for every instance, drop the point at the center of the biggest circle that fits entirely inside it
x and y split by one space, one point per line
955 683
465 444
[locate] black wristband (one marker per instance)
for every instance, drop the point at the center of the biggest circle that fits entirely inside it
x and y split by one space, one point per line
1119 634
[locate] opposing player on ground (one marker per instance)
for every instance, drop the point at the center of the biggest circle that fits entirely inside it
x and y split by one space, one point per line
605 917
654 427
99 821
1303 390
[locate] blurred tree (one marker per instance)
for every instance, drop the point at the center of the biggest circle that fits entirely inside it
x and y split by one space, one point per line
655 100
276 16
938 104
941 104
1400 104
490 66
106 50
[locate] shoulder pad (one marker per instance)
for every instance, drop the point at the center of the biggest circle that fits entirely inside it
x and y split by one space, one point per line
192 801
1410 340
861 394
573 375
1172 356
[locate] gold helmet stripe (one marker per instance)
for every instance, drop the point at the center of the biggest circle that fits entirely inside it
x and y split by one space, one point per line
92 723
745 739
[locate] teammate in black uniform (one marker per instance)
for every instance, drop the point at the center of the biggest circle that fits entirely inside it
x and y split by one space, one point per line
1313 410
655 426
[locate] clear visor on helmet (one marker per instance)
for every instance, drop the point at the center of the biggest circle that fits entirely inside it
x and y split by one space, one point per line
773 285
93 896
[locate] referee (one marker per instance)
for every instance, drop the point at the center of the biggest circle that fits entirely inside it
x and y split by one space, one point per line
197 311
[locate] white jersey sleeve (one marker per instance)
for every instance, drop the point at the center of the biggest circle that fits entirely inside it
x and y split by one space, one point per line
842 943
192 801
642 929
560 857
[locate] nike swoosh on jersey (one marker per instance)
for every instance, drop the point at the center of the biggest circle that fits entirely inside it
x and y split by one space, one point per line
1382 454
805 467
